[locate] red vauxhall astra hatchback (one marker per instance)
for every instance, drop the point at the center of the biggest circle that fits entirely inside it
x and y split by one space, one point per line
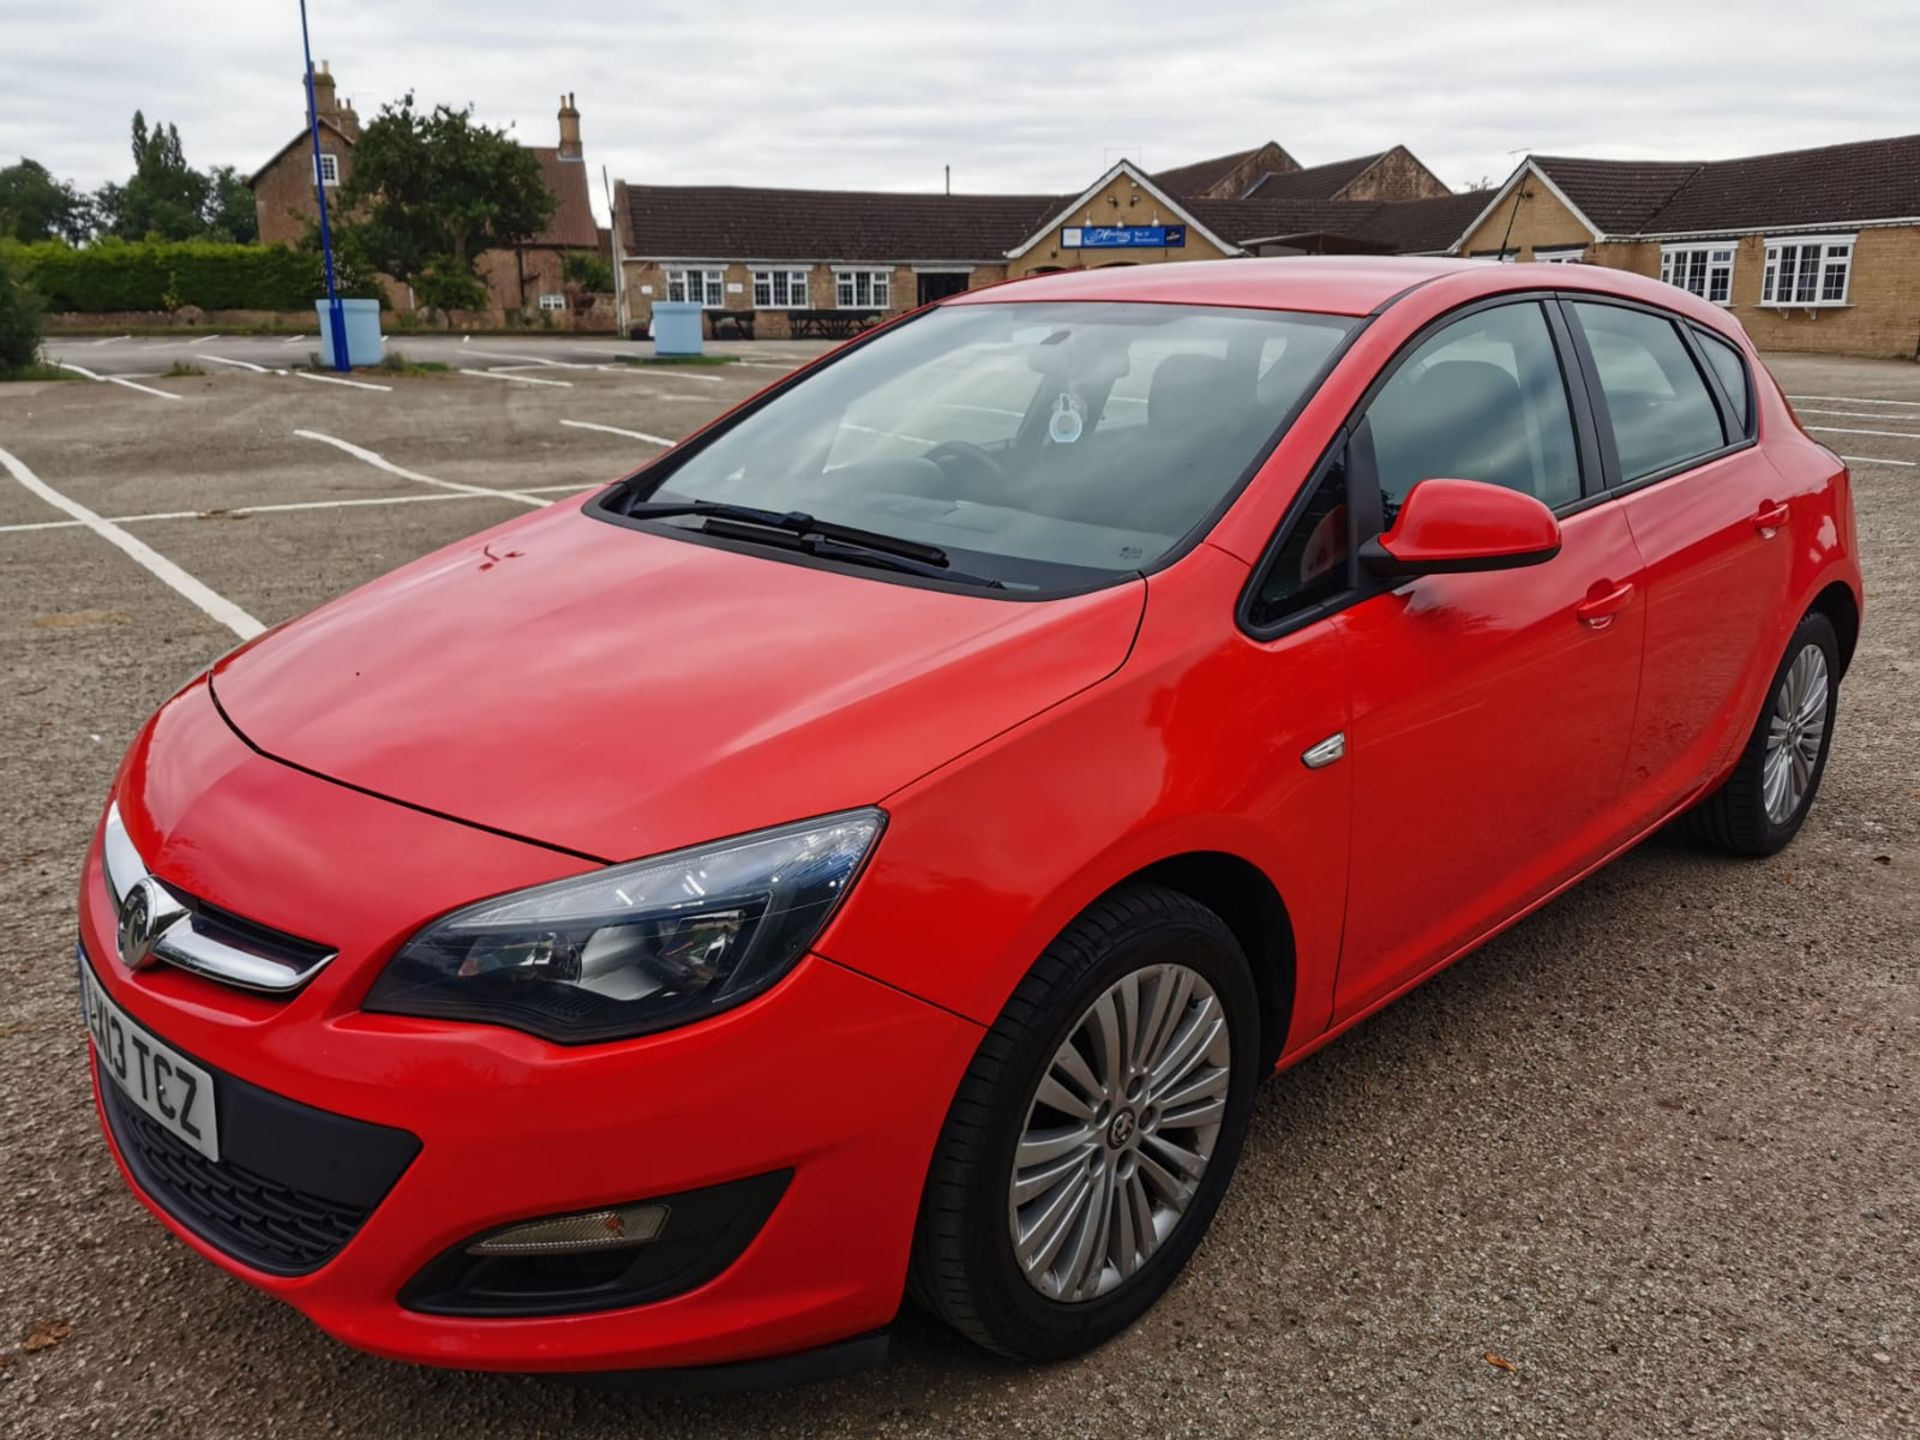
880 845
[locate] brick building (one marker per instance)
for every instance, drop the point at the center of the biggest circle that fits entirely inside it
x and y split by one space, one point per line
526 279
777 262
1812 249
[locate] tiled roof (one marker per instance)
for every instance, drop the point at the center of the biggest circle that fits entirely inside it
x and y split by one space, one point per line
1421 227
1617 195
724 221
1316 182
572 224
1835 184
1187 179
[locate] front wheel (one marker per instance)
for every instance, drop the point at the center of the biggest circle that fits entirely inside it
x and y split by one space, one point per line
1095 1132
1765 800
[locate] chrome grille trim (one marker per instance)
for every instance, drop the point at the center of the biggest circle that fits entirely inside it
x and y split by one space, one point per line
191 943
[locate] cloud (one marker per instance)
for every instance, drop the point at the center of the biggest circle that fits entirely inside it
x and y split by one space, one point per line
1014 99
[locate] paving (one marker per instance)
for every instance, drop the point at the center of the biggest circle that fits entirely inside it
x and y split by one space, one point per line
1645 1165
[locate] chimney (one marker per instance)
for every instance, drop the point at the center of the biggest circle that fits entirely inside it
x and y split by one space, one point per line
324 103
570 130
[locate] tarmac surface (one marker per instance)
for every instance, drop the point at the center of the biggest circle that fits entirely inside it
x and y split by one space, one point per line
1647 1165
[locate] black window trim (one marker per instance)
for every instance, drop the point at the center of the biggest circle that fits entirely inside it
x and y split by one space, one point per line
1355 436
1597 400
1697 335
656 471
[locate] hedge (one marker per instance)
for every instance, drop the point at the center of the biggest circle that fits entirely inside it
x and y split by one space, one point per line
164 275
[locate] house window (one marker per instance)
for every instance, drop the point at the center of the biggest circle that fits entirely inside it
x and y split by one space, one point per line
1566 255
1811 270
702 287
553 302
329 168
779 289
1703 270
861 289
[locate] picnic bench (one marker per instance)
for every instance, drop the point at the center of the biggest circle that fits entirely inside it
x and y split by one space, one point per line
830 324
738 323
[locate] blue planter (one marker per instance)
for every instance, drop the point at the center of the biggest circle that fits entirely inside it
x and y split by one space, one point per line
364 345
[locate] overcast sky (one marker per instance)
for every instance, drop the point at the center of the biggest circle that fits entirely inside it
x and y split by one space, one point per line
1013 98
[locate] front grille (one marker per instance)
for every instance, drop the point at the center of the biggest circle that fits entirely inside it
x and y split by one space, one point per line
268 1225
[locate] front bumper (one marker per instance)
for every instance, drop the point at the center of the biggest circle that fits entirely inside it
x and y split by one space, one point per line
836 1078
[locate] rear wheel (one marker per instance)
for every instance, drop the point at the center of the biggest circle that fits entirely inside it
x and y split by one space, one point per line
1095 1132
1765 800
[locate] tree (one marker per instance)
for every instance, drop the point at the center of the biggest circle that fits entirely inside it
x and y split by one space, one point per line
19 323
429 192
165 197
589 270
231 214
35 206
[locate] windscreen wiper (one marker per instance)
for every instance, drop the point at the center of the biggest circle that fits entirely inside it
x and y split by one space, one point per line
831 547
796 522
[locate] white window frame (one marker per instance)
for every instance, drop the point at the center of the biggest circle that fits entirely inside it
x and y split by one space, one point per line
329 168
552 300
1832 256
848 286
712 285
1561 255
1711 264
781 289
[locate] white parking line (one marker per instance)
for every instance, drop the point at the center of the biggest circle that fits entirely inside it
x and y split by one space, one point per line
241 364
1857 400
289 505
380 462
616 430
517 379
156 564
1890 434
110 340
336 380
204 339
1860 414
677 374
1877 460
297 339
116 380
533 360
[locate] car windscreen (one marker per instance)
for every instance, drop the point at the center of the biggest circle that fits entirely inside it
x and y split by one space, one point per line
1045 445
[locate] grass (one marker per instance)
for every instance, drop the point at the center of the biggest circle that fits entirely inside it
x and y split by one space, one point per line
398 364
681 359
37 371
181 370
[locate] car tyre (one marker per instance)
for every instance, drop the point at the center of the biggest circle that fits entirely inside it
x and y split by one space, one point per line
1763 803
1133 959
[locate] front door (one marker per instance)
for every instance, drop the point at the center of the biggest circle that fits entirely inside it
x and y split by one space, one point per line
938 284
1490 712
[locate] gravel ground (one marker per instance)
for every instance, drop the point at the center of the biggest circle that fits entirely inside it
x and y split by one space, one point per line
1646 1165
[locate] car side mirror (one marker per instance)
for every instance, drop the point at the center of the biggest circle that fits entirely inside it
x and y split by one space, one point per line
1448 526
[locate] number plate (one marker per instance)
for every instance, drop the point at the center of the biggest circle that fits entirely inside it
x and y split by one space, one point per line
158 1079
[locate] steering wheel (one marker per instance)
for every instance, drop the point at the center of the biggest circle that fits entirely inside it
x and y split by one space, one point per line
970 457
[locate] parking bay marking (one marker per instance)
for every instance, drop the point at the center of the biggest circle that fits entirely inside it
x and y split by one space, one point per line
1889 434
336 380
517 379
616 430
116 380
1857 400
1876 460
156 564
288 505
1863 414
240 364
380 462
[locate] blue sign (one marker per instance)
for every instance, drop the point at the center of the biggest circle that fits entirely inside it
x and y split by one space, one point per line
1123 237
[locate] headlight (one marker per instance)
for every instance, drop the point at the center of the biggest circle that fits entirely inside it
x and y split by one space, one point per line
638 947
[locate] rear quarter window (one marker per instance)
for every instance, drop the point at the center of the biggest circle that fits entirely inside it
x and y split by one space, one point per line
1658 403
1731 368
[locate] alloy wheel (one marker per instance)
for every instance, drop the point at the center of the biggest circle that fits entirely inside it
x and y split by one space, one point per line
1795 731
1119 1132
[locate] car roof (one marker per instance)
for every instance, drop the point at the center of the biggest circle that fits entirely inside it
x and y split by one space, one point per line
1318 284
1335 284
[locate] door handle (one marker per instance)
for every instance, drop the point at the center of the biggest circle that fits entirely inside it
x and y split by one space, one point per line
1602 604
1771 519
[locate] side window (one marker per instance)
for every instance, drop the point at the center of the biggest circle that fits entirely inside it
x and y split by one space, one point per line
1662 412
1484 399
1311 565
1731 367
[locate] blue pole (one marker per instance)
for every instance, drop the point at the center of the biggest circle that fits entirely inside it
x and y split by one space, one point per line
336 312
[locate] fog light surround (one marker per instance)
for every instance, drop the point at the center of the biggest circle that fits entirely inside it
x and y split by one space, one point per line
592 1230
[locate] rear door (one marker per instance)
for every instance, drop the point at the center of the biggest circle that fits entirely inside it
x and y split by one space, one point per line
1707 513
1491 711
